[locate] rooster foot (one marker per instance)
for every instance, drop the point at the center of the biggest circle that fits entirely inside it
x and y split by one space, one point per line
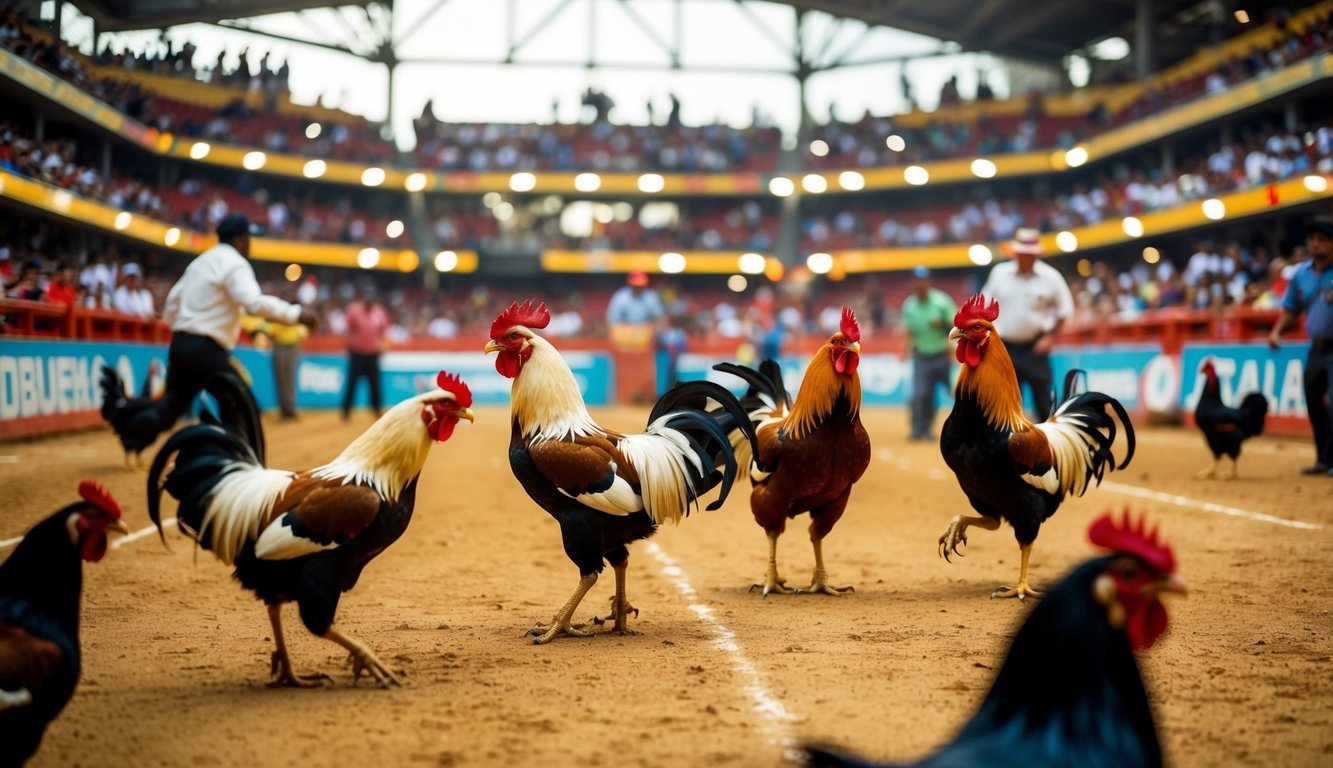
281 671
820 587
133 463
953 536
1021 591
542 634
364 662
619 615
1206 474
773 583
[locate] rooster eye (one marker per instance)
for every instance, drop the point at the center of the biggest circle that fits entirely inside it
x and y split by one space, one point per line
514 337
1129 571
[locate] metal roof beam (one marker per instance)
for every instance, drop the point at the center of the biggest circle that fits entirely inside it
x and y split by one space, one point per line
628 65
648 30
239 27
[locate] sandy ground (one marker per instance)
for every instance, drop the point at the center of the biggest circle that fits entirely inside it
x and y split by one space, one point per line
176 655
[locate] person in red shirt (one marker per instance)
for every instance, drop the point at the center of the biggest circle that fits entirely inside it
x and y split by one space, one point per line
366 324
63 288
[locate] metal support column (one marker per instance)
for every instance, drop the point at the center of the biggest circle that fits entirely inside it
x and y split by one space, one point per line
788 238
106 159
1145 33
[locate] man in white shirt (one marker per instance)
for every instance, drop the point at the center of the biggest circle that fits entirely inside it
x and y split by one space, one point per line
131 297
204 311
1035 303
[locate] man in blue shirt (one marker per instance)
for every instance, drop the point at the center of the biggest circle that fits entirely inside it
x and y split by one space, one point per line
1311 291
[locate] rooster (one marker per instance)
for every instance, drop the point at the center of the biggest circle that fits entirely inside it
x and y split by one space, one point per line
1010 468
114 399
304 537
1069 692
40 585
1226 428
815 449
604 488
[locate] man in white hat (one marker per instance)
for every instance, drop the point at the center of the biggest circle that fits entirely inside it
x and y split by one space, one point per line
131 297
1035 303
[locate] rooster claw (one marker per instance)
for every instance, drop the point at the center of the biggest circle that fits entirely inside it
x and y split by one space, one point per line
542 634
281 671
619 615
364 662
1021 591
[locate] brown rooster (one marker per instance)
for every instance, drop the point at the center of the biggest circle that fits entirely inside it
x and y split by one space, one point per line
814 449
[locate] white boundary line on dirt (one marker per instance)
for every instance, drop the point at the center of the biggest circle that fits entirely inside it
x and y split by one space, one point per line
122 541
775 715
1206 506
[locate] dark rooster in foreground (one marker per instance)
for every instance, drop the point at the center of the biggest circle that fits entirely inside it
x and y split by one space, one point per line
1070 693
815 449
304 537
1226 428
1010 468
40 586
606 489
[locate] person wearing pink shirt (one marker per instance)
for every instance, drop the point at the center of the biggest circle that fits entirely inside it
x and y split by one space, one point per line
366 324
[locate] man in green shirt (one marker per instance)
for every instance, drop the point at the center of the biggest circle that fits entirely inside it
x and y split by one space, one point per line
928 315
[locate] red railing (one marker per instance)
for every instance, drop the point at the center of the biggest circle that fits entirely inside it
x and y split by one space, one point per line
39 319
1173 327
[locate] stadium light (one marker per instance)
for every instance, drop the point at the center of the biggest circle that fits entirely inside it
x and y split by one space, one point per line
1315 183
492 199
1066 241
1084 268
394 228
368 258
814 183
62 199
587 182
819 263
896 143
671 263
1214 209
737 283
1076 156
818 148
851 181
123 220
314 169
753 263
1152 255
983 168
253 161
415 182
781 186
503 211
313 130
372 177
446 261
522 182
172 236
200 150
408 260
651 183
1242 16
916 175
1132 226
603 213
292 272
979 254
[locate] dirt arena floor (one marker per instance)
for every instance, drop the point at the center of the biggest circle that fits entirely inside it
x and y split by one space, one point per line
176 656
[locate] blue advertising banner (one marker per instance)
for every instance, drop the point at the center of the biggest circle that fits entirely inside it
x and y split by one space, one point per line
1121 371
1245 368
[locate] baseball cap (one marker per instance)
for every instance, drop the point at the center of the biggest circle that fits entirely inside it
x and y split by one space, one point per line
236 224
921 272
637 278
1322 224
130 270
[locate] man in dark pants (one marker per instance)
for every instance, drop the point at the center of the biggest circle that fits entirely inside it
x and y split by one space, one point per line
1035 302
366 324
1311 291
927 316
204 310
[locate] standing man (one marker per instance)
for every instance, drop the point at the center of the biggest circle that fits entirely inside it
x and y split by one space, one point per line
927 315
204 311
634 303
366 325
1035 303
1311 291
286 354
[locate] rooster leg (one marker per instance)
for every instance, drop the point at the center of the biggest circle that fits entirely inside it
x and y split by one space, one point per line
1209 473
281 668
620 607
560 625
1228 474
956 533
133 462
772 581
362 660
819 582
1021 590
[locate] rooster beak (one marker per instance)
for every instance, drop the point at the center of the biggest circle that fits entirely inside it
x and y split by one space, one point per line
856 347
492 346
955 335
1176 584
119 526
466 413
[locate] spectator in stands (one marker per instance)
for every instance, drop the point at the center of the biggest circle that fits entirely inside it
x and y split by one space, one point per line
132 298
63 288
927 316
1035 302
634 303
367 322
204 312
1311 291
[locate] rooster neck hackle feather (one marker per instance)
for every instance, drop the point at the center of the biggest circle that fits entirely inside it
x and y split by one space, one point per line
993 384
820 388
546 400
389 454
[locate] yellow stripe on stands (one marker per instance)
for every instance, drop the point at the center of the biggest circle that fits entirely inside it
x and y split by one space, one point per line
696 262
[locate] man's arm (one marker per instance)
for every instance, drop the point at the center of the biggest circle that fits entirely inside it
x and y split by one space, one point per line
1286 318
244 289
173 306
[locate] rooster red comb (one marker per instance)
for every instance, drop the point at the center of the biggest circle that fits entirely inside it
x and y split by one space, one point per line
454 385
93 493
976 308
1133 537
520 314
850 328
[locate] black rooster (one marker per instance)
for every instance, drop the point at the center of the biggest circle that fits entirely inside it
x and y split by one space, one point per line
1226 428
40 586
1069 692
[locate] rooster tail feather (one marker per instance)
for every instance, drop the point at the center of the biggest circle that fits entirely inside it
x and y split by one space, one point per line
1253 413
113 393
709 442
1081 434
237 409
